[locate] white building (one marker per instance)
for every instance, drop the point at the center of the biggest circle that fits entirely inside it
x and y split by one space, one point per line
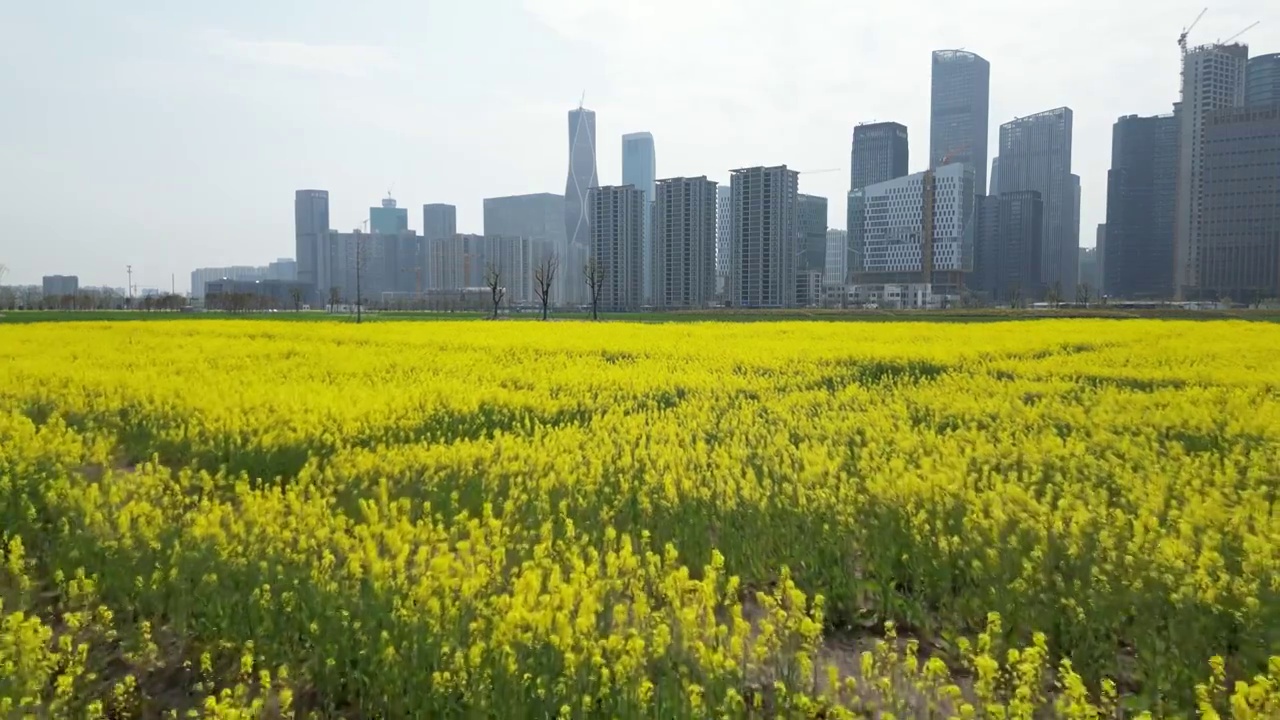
724 233
889 236
1213 78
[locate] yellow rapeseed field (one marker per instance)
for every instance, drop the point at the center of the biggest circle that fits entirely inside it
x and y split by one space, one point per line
1071 518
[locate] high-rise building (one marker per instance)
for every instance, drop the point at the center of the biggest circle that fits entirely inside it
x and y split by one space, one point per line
1262 81
836 267
1070 290
1240 206
762 269
880 152
352 268
1088 272
912 237
439 221
1100 244
617 245
463 261
1007 247
959 112
282 269
540 218
1141 193
640 169
724 233
811 215
1035 154
684 238
1213 78
311 227
582 176
387 219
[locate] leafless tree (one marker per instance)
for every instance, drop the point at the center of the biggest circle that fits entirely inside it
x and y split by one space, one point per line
359 271
4 270
544 277
1082 294
1054 296
593 273
493 278
295 294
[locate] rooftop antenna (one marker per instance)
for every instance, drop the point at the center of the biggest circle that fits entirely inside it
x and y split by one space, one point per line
583 100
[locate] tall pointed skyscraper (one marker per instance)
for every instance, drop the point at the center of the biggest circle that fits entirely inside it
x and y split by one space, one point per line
582 177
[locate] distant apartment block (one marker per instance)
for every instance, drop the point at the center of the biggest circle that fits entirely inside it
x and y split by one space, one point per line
764 253
58 285
617 245
684 223
311 226
959 109
539 217
439 220
1141 193
240 295
1213 78
367 267
1239 226
463 261
880 152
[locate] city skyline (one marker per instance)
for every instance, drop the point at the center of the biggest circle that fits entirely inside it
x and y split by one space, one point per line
204 182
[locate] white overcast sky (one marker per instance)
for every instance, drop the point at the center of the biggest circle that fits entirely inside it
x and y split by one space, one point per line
171 134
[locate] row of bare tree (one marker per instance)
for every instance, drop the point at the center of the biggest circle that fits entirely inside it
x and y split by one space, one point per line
544 278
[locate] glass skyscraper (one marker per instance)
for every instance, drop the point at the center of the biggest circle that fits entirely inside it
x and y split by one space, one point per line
1035 154
640 170
959 112
582 177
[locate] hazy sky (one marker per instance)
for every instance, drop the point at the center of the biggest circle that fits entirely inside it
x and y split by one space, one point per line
171 135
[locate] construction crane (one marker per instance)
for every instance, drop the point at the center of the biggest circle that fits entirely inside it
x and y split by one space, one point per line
1233 37
819 172
1182 50
1182 39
